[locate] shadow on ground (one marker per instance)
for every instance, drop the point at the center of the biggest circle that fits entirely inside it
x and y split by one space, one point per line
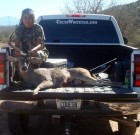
41 126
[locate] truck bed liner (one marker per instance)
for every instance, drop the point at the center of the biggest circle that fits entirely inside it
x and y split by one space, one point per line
106 93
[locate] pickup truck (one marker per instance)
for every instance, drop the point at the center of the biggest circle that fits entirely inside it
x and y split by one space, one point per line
94 42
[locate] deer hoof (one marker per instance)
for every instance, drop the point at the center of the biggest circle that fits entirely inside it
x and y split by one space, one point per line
35 93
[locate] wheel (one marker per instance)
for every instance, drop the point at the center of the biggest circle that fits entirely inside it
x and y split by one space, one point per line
127 130
18 123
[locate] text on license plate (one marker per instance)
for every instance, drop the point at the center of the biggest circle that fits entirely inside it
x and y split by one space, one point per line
68 104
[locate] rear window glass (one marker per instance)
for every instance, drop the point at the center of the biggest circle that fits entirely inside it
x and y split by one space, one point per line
79 31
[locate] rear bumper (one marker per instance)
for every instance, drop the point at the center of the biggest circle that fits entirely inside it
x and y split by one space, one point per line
88 108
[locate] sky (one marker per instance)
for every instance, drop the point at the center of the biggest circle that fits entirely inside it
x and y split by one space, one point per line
41 7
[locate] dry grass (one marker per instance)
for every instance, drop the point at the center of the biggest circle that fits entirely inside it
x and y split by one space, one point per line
3 45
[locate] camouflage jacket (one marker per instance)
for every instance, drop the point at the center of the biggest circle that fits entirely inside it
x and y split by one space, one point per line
28 37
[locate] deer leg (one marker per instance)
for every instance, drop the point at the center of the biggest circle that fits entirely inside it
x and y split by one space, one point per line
43 85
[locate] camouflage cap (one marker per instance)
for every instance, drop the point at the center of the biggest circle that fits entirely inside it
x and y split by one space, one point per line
27 11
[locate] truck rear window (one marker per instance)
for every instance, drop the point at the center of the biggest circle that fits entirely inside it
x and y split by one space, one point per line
79 31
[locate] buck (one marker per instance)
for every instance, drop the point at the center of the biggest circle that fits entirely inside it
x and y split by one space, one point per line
43 78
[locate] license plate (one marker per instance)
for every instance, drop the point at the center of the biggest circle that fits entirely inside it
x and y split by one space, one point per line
68 104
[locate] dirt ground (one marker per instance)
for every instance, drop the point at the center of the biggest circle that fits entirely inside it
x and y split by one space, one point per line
37 126
114 126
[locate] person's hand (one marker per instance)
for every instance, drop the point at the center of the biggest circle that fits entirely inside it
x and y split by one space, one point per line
32 53
19 53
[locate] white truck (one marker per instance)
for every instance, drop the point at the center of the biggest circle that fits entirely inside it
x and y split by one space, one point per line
94 42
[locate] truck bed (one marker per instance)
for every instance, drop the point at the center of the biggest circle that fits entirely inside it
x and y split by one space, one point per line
106 93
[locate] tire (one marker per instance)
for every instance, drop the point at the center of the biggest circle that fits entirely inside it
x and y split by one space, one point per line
127 130
17 123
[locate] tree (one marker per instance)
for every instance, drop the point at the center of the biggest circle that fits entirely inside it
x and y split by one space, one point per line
88 6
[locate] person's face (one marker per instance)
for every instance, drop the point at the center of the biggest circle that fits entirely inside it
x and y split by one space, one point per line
27 20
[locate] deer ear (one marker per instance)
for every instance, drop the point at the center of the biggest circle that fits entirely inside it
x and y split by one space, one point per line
12 59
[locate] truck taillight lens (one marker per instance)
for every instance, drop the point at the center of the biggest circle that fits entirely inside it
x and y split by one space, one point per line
137 70
2 68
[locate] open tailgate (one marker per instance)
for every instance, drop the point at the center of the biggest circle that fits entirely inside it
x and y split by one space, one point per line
106 93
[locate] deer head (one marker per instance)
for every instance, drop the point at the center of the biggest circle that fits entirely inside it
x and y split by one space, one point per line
24 59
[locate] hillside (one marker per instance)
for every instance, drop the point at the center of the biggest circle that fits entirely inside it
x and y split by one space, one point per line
7 25
5 31
8 21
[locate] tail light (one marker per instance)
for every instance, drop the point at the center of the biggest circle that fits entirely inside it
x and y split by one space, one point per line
75 15
137 70
2 68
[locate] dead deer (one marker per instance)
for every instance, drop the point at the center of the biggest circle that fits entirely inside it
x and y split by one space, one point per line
43 78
